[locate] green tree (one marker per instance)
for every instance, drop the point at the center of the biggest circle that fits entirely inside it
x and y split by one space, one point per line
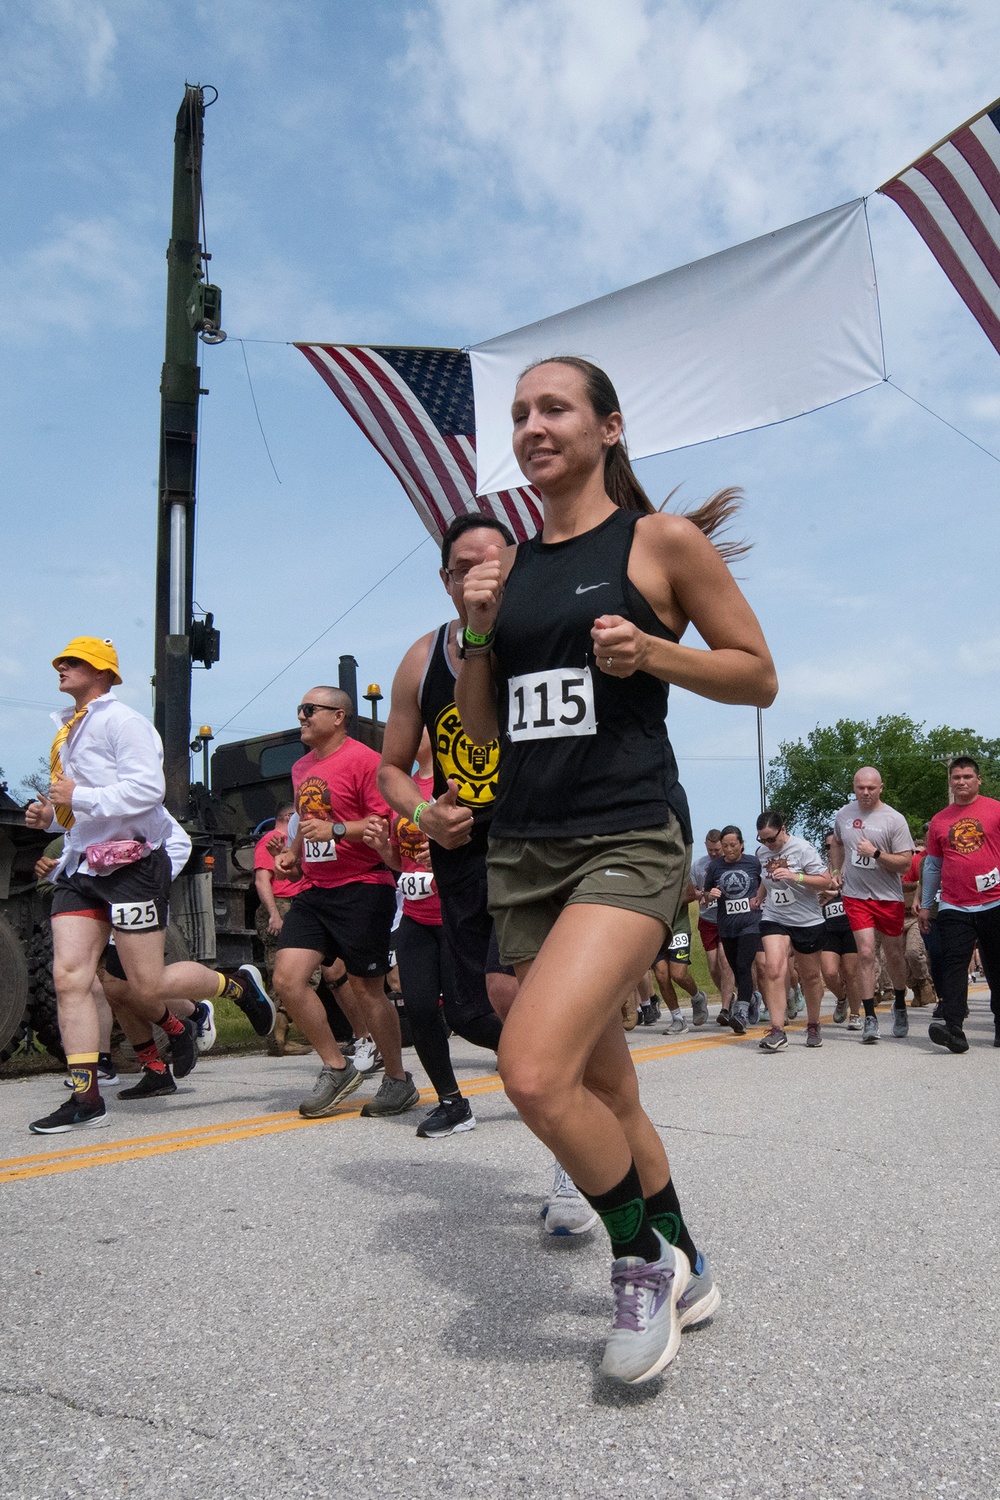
810 779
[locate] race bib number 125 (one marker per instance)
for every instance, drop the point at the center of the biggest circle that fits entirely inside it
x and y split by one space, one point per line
133 916
551 705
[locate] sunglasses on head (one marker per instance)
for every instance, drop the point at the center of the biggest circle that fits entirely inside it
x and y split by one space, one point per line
308 709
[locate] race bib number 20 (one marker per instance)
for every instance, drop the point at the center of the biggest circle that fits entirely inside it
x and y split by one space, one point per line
551 705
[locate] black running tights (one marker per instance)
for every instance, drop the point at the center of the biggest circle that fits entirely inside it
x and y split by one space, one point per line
425 976
741 951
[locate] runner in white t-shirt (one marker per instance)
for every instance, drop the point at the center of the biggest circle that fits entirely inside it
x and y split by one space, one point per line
794 874
872 848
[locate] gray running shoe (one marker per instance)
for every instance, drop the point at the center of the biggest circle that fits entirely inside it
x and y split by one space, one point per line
840 1013
566 1210
755 1008
699 1009
332 1085
814 1035
677 1023
395 1096
854 1024
646 1332
701 1297
775 1041
870 1032
900 1021
738 1017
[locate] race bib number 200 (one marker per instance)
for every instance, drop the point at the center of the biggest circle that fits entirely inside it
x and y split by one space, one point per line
738 907
551 705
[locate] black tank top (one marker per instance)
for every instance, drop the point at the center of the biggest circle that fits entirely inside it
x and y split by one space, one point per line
472 767
582 752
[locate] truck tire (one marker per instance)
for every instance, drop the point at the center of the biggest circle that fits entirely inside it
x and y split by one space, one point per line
43 1011
13 990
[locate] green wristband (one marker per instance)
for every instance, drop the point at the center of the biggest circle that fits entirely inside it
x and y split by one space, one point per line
415 819
472 639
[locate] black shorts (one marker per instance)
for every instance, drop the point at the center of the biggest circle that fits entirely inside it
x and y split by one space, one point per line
676 949
351 922
838 939
133 898
471 939
804 939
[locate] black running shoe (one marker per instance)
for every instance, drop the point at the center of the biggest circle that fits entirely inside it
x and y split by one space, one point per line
254 1001
951 1037
723 1018
184 1049
451 1117
72 1114
150 1086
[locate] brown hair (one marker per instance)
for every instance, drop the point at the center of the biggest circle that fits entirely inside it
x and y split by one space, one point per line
624 489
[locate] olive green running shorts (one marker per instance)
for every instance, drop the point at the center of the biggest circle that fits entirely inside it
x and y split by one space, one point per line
531 880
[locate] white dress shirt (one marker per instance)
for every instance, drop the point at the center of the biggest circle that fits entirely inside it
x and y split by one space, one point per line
115 758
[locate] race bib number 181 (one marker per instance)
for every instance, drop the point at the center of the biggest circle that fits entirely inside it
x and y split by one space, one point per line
551 705
417 885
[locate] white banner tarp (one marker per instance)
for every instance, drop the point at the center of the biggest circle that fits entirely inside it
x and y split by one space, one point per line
764 331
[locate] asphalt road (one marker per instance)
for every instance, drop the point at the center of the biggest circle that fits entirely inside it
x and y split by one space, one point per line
209 1299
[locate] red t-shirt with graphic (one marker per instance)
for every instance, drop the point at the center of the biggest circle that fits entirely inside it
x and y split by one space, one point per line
421 901
967 841
340 788
280 885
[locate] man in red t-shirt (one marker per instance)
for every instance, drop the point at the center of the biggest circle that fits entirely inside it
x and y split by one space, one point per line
347 909
963 857
275 893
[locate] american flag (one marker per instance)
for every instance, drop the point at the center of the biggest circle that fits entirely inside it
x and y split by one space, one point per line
416 406
952 197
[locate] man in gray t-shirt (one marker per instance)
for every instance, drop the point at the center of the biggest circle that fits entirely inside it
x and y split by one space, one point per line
872 846
718 966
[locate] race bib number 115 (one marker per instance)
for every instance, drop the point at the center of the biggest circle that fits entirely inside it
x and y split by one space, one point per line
551 705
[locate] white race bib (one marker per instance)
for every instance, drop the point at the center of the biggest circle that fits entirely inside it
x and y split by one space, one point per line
133 916
988 882
782 896
319 851
833 909
679 940
863 861
739 907
416 885
551 705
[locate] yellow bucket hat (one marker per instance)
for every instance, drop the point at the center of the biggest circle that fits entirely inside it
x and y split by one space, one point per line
99 654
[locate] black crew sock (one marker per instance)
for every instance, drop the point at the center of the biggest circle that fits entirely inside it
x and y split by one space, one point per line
623 1213
899 999
869 1006
663 1210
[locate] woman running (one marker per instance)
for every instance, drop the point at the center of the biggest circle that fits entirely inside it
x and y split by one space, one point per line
571 642
794 875
734 881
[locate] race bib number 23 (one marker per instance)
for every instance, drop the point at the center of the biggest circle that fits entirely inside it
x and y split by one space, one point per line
551 705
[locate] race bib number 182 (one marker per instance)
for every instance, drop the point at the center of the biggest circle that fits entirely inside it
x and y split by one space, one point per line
319 851
551 705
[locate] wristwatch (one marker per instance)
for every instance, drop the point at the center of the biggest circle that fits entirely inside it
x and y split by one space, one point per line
877 854
338 830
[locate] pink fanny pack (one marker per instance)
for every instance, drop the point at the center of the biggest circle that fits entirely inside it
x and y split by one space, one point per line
115 852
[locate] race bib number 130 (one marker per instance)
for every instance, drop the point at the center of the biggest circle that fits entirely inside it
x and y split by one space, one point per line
551 705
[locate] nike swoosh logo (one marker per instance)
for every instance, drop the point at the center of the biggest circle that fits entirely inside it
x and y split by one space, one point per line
620 874
585 588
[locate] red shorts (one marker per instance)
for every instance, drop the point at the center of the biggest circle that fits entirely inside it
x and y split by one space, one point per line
709 934
885 916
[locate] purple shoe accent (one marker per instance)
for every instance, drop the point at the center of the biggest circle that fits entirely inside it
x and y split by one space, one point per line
631 1277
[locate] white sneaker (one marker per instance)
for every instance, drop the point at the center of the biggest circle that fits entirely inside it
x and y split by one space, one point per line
677 1023
855 1023
364 1055
565 1210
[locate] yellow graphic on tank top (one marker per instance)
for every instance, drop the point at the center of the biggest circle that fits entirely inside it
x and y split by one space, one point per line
473 768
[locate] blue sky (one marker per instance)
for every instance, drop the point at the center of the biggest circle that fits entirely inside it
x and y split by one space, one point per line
435 174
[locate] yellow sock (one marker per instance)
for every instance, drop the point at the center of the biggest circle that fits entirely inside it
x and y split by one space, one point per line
83 1071
223 981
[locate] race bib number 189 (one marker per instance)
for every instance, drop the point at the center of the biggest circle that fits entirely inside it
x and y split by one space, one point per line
551 705
319 851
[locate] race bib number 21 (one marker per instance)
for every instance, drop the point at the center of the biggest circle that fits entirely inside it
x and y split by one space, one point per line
551 705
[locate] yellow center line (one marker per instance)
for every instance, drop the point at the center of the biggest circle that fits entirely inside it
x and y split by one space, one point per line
76 1158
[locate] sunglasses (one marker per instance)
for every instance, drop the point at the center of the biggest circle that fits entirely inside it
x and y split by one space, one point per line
768 841
308 709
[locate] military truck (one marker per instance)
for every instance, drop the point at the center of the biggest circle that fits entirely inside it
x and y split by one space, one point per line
27 994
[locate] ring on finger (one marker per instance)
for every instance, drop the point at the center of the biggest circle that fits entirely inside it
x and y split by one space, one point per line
610 662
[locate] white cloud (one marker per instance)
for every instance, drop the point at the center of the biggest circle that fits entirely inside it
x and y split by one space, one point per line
89 272
52 48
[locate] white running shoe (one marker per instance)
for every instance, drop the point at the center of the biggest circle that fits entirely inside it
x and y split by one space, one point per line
677 1023
565 1210
364 1055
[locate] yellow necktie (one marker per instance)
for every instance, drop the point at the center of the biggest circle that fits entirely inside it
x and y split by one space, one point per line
64 815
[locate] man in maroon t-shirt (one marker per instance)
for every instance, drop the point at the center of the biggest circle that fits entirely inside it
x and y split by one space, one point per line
963 855
348 909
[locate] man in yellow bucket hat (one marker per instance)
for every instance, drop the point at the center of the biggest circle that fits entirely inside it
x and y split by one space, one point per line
106 796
